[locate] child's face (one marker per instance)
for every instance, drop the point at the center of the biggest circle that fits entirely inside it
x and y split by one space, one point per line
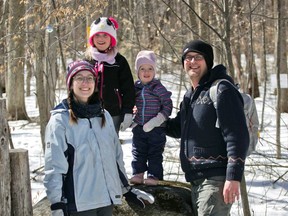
146 73
102 41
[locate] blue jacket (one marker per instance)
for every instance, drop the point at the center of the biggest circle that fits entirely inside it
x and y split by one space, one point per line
83 162
151 99
206 150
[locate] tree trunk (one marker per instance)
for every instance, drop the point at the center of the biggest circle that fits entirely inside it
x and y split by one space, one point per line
29 70
39 75
282 32
204 13
236 41
21 201
227 38
51 74
5 198
278 72
265 75
251 80
3 22
244 197
253 86
28 53
15 43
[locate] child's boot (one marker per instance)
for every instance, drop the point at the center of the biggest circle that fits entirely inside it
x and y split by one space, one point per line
137 179
151 180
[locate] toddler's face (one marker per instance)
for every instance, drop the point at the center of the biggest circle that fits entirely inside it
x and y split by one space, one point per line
146 73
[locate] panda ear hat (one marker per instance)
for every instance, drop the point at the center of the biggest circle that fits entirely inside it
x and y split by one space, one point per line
104 25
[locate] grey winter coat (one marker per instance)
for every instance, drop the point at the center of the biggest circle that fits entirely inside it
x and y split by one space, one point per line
83 162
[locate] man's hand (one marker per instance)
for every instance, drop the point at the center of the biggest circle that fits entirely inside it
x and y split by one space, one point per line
231 191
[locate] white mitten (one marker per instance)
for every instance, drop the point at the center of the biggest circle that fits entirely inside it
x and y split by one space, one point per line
154 122
58 212
128 118
143 195
139 197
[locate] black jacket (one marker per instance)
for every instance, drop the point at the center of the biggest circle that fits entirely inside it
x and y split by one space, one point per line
118 86
206 150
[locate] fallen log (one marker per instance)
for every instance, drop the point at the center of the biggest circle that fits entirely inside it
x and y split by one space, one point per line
171 199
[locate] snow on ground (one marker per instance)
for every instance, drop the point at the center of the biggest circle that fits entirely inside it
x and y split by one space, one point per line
266 185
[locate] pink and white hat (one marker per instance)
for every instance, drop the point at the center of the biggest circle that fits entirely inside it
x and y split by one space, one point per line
104 25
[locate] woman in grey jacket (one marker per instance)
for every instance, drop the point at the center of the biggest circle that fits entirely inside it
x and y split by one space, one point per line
84 168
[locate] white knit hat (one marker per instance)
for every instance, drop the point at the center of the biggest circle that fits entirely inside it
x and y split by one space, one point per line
104 25
145 57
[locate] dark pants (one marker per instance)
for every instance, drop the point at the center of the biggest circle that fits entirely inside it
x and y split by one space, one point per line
104 211
147 151
117 120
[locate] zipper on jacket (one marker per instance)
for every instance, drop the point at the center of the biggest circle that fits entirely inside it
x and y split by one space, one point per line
189 112
90 124
119 98
99 69
144 104
90 144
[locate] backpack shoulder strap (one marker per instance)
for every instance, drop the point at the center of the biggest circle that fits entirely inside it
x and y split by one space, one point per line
213 92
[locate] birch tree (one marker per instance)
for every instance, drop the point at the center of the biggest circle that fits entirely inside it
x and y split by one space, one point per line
281 68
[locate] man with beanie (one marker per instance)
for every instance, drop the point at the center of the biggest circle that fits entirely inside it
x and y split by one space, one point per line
212 158
154 106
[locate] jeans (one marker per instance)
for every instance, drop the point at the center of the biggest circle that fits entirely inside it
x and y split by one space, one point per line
104 211
207 197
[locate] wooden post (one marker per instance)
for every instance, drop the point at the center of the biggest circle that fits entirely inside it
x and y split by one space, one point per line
21 201
244 197
5 199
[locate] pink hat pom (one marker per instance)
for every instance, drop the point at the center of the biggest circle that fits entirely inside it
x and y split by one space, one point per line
115 23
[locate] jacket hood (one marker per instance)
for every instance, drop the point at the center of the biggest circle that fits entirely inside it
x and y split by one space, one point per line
61 107
218 72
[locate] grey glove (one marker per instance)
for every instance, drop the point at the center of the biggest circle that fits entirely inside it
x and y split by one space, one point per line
128 118
154 122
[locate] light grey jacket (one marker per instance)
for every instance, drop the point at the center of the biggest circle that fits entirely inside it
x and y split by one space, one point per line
83 162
